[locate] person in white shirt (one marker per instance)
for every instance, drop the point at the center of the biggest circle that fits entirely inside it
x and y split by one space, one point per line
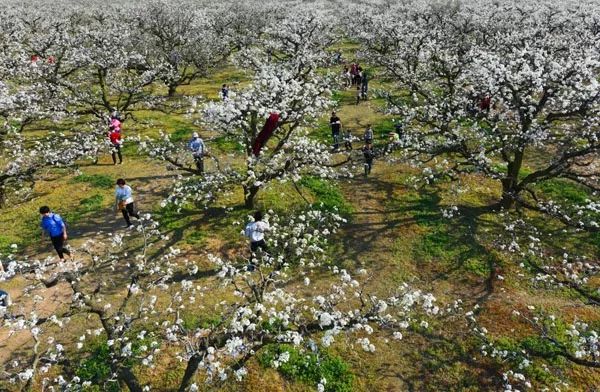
124 201
255 231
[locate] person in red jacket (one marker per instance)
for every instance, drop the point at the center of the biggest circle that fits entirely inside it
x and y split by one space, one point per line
115 142
485 103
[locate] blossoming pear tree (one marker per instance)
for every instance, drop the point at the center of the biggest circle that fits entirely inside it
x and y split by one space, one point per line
506 91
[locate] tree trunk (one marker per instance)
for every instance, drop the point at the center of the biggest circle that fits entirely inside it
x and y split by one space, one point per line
127 376
2 195
249 195
172 90
190 371
510 188
507 201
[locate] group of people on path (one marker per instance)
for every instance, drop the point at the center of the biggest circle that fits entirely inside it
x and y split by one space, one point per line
394 140
115 137
54 227
354 75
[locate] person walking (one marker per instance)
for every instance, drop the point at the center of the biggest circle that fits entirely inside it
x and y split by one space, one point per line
116 141
198 149
348 140
347 77
4 299
5 302
353 72
255 231
114 123
369 155
336 128
224 92
364 85
368 135
54 227
124 201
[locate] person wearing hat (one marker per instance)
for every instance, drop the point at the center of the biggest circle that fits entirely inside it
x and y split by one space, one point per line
198 149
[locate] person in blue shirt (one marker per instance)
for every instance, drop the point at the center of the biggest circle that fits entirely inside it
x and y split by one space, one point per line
198 149
4 299
224 92
54 227
124 201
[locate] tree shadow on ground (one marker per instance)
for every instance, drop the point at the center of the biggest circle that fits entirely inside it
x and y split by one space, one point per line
442 364
444 249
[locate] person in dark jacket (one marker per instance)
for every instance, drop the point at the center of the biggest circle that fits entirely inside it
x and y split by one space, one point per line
336 129
369 155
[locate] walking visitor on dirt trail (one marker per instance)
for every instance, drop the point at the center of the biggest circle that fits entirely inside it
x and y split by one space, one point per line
4 301
368 135
369 154
336 128
224 92
115 137
198 148
124 201
54 227
364 85
348 140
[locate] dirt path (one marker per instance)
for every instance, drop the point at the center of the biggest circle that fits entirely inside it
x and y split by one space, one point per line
151 186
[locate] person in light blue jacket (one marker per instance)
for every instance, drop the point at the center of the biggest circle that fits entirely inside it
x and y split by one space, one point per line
198 149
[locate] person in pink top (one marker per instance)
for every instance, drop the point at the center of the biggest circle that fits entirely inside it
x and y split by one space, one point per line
114 123
116 140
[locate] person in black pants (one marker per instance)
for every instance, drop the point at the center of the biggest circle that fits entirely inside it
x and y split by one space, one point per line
54 227
124 201
369 154
336 128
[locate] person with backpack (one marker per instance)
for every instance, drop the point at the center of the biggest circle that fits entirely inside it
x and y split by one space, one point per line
336 128
368 135
54 227
124 201
198 149
369 155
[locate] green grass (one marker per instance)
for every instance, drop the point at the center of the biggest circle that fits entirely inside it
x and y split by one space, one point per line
86 206
197 238
564 190
226 144
538 347
195 321
96 368
95 180
309 367
328 196
182 134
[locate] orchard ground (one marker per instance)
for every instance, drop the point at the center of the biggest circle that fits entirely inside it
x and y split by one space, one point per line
394 231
